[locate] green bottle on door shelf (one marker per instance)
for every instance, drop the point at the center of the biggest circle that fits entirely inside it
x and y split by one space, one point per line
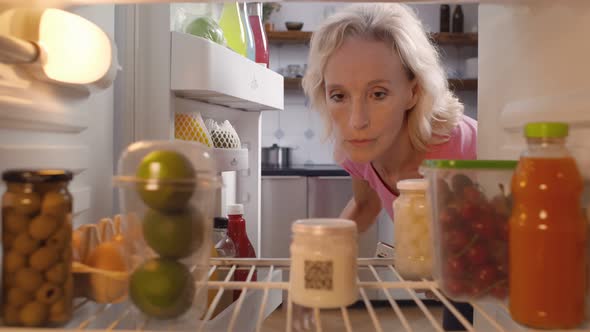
233 29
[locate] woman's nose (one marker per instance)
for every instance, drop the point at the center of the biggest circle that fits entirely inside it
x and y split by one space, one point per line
359 117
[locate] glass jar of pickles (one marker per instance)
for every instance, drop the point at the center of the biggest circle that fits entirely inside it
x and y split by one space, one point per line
37 283
412 236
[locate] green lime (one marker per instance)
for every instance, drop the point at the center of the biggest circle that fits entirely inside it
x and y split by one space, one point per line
175 235
165 166
207 28
162 288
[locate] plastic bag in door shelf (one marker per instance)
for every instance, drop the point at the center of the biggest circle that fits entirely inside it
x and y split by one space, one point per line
170 186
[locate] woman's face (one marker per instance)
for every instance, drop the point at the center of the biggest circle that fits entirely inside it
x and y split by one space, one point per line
367 95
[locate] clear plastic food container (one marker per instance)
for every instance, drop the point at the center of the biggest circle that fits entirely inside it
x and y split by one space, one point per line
471 205
169 186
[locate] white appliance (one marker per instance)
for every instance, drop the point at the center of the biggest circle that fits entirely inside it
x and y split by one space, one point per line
533 65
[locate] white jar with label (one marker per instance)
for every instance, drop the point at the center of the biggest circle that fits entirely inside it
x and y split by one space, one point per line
413 256
323 263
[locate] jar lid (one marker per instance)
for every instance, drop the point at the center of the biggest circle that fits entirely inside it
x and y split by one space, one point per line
324 226
34 176
412 184
546 130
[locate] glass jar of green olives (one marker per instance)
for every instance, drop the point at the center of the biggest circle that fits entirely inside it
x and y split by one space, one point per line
37 283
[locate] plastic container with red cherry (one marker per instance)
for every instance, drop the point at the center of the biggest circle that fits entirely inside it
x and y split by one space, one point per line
470 207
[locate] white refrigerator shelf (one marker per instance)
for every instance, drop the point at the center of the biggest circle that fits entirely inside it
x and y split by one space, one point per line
260 298
206 71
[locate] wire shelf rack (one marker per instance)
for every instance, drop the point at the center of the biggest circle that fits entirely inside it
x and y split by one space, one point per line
257 308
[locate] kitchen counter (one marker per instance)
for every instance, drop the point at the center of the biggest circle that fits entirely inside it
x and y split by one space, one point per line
305 170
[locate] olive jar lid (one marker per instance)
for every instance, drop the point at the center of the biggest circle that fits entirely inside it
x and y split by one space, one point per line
34 176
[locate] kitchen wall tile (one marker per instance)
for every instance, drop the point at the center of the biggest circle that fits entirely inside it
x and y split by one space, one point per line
270 122
317 124
279 133
297 107
294 123
293 97
301 148
268 140
322 152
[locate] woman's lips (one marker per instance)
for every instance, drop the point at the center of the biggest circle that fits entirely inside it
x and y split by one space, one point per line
361 142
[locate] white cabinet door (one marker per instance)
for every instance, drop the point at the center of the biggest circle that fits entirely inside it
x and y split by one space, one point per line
284 200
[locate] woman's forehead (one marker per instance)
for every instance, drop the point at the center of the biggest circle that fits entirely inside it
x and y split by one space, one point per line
362 59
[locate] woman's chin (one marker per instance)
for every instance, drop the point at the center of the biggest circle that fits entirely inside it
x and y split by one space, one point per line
360 156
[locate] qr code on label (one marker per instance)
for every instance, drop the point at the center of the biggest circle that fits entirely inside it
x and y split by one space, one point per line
318 275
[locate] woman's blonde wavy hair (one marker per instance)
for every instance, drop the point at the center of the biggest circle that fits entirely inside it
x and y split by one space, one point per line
437 110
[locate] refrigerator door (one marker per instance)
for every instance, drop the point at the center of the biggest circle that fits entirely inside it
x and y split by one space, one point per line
522 79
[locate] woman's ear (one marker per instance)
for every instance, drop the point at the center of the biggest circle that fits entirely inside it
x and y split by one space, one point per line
414 94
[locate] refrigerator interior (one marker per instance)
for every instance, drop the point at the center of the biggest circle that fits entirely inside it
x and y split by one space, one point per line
537 70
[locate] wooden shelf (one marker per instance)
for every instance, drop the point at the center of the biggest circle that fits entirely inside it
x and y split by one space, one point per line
456 39
302 37
288 37
456 84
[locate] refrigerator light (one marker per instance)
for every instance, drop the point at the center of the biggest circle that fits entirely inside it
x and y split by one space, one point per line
73 50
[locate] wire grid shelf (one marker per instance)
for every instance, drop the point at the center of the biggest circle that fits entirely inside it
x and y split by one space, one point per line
487 316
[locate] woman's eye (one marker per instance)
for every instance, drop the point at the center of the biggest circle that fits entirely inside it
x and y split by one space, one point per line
379 95
337 97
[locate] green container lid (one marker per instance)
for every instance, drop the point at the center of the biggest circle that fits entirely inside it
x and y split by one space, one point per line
546 130
470 164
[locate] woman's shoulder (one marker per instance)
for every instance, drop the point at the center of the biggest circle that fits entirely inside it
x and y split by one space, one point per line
462 143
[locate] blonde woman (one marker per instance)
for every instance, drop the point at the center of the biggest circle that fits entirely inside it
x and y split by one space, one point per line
377 80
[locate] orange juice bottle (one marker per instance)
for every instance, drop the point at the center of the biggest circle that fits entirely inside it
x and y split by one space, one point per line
547 242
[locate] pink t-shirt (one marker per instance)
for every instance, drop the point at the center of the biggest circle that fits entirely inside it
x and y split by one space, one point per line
461 145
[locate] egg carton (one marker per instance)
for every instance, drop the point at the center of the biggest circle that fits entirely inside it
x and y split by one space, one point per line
108 236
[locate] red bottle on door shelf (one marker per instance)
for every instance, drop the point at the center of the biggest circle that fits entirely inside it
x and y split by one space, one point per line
236 230
260 42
